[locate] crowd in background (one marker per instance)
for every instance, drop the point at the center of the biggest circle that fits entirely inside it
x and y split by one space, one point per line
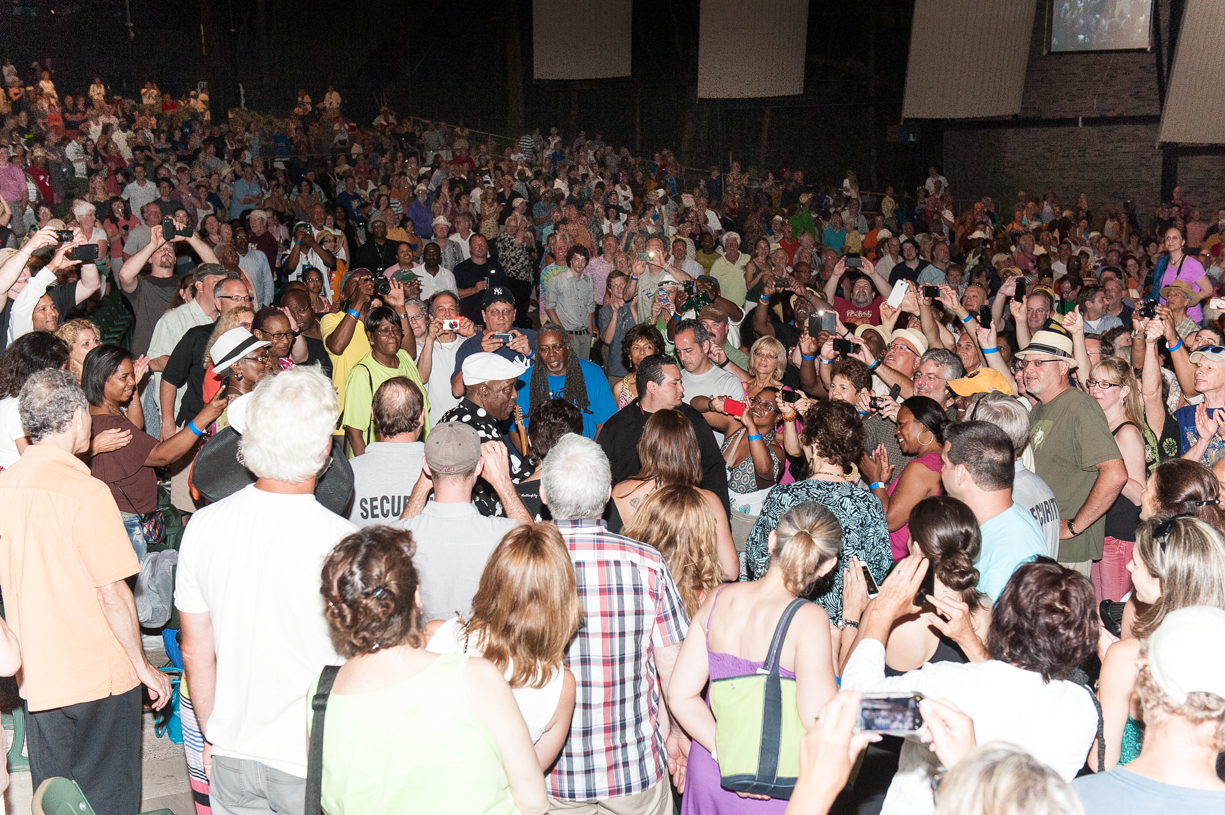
547 446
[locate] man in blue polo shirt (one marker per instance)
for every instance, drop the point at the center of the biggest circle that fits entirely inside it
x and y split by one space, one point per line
558 373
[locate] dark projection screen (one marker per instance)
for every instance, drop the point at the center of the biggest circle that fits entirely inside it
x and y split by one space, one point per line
1100 25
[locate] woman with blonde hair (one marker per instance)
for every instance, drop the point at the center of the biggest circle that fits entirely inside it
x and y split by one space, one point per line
678 521
668 454
82 337
1176 563
524 614
730 636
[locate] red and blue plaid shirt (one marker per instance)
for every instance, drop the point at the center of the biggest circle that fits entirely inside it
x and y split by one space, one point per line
631 607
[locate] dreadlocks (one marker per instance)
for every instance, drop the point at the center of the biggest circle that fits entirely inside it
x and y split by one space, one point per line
575 390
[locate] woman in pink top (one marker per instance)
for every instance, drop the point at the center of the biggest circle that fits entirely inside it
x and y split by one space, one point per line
920 433
1180 266
118 223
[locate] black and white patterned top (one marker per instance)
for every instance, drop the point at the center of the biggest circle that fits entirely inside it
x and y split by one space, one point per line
489 429
865 535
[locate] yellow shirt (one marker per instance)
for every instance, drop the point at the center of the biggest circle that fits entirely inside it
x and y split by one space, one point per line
359 346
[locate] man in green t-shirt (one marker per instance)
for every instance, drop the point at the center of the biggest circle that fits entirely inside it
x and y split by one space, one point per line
1074 451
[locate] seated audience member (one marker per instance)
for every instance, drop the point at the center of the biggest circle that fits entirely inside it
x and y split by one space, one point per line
921 423
554 419
524 615
730 636
1180 685
558 372
1043 627
978 471
1177 562
659 388
453 539
471 751
385 361
952 626
833 443
1028 488
385 474
679 522
668 451
624 652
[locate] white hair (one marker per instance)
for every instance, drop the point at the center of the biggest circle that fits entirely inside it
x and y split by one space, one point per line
289 423
727 236
998 778
81 207
575 479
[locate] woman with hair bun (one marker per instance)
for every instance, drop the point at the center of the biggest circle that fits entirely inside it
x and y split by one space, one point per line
730 636
407 730
952 625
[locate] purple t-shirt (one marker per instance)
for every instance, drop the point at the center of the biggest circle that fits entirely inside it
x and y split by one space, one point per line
1189 270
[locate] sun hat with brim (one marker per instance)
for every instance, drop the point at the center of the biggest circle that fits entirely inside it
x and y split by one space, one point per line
1052 343
232 346
984 380
1001 256
1209 353
866 327
1184 287
1184 653
883 234
914 338
979 236
484 366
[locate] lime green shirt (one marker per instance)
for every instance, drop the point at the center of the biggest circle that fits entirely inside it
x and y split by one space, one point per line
364 379
415 746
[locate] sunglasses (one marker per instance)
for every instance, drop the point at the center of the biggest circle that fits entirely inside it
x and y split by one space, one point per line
1211 349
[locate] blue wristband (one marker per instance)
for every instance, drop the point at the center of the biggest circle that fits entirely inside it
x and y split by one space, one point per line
755 437
967 319
876 485
862 412
195 431
356 315
807 358
995 350
825 361
1176 346
765 300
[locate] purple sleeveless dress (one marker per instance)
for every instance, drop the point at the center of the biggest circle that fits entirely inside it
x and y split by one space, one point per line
704 795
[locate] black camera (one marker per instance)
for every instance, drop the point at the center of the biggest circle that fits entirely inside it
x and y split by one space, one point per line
382 286
842 346
171 230
931 292
878 402
1146 310
690 287
64 235
84 252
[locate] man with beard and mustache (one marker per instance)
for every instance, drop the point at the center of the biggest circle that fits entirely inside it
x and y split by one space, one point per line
864 306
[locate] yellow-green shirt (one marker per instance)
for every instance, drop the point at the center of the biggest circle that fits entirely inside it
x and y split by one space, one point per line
364 379
359 347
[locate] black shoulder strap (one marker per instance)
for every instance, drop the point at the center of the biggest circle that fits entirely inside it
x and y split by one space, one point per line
314 760
774 655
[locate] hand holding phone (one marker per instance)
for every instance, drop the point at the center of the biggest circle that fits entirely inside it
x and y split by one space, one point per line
892 714
733 408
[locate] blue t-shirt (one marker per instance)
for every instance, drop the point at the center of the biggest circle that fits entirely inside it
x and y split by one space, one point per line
833 238
1122 792
472 345
600 404
1188 435
1009 539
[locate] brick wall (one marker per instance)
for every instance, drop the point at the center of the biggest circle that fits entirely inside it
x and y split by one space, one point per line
1202 179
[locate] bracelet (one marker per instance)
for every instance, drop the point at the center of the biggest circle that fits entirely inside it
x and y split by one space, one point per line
967 319
876 485
755 437
764 299
195 431
825 361
874 366
1176 346
356 315
994 350
851 623
1071 528
807 358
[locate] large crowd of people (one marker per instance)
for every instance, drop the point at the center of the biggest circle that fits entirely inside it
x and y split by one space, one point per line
551 448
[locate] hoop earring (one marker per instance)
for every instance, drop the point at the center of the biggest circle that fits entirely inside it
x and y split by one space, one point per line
929 441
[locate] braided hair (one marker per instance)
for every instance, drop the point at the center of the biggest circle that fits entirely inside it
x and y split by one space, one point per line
575 390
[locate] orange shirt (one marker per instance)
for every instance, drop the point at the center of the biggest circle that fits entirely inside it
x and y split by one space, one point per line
61 538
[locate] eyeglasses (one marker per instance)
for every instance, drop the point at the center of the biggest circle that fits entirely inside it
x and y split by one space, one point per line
1100 383
765 354
236 298
1022 364
389 331
897 346
261 357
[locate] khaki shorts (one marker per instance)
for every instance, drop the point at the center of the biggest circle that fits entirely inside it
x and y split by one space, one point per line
655 801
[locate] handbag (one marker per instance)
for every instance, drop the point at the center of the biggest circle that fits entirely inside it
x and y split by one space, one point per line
314 756
152 527
759 729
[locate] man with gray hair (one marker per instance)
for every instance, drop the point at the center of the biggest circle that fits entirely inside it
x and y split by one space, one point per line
937 368
247 591
634 623
64 561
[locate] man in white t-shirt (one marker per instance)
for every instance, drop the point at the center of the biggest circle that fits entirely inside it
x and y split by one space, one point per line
439 348
700 376
384 475
254 634
140 190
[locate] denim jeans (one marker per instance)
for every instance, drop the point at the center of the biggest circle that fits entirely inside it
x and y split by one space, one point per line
131 523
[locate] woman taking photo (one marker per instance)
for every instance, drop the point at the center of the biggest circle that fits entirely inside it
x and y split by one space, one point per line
470 751
920 433
952 626
832 440
524 614
638 343
1176 563
677 520
109 381
754 456
730 635
668 452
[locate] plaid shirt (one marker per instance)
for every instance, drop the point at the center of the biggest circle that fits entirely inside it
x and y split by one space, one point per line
631 606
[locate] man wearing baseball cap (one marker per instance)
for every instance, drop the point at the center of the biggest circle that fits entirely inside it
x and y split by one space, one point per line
491 385
497 336
1209 362
1181 685
453 538
1074 451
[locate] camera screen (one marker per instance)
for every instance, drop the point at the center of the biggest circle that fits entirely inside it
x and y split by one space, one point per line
889 714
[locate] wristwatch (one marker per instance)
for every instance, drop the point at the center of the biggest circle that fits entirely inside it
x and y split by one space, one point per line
1071 528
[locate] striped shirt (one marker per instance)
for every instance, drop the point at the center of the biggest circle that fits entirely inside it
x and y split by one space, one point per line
631 607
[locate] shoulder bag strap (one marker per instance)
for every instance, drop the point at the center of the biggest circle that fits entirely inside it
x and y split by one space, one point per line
314 760
772 703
